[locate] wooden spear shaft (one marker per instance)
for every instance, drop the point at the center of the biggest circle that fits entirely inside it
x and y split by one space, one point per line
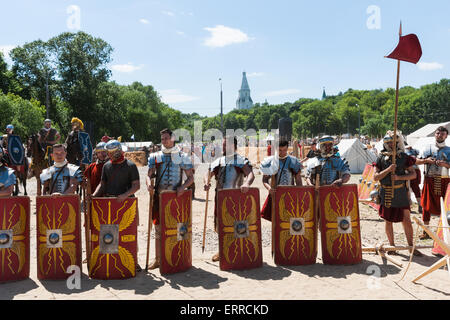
394 153
273 185
150 222
206 210
88 222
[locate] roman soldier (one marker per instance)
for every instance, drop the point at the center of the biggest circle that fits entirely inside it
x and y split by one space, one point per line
7 177
62 177
9 131
74 154
287 170
168 166
229 171
47 137
94 172
436 158
332 169
120 177
394 201
414 184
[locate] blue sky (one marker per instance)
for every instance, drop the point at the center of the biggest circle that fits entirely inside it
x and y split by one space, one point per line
289 49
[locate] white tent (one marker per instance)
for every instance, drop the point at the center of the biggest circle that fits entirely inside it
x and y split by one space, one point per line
426 131
356 154
425 142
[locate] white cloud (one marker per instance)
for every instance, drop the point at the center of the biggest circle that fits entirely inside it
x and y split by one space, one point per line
127 68
222 36
283 92
168 13
175 96
255 74
144 21
5 49
429 66
181 33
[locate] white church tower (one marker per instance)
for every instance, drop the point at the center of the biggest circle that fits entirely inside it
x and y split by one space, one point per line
244 101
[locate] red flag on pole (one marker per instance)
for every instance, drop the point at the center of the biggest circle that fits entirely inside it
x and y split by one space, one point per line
408 49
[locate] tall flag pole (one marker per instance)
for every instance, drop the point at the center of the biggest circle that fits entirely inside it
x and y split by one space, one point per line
409 50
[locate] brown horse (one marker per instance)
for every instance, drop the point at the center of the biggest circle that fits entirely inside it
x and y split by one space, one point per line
38 161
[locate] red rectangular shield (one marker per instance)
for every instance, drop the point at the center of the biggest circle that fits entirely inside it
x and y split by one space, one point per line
239 229
14 238
362 180
295 226
113 238
443 227
367 185
339 224
58 235
176 231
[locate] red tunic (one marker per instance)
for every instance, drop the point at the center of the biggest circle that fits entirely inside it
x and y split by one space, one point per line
430 199
94 174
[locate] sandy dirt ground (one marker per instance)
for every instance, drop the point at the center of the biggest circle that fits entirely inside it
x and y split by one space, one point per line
374 278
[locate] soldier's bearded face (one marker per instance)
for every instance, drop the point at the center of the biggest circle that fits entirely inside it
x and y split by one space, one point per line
47 124
328 147
440 136
115 154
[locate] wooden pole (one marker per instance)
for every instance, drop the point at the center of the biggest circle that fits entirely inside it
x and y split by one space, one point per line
273 186
393 248
206 210
150 222
442 262
394 153
442 244
88 222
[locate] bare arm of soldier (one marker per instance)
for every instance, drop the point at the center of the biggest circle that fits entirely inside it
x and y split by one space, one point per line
265 180
73 186
298 178
187 183
6 192
341 181
250 177
100 189
205 179
380 175
150 173
410 176
135 185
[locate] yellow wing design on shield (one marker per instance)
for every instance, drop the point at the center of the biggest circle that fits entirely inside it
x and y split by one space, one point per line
127 260
252 217
94 218
171 242
227 219
19 227
18 248
94 257
128 217
170 221
69 226
330 214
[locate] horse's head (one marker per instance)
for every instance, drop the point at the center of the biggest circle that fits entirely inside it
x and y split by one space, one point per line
35 148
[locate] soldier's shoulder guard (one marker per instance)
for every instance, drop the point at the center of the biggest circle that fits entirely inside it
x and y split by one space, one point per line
241 161
267 161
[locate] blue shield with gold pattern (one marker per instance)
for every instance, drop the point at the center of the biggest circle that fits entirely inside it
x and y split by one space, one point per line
15 150
86 147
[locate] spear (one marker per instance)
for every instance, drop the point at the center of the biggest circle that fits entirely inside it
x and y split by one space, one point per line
206 209
150 222
394 153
